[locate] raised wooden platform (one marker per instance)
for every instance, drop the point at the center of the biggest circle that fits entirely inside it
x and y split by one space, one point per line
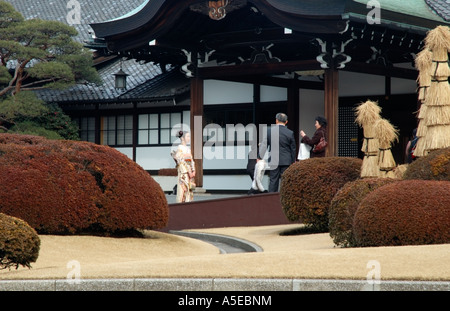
252 210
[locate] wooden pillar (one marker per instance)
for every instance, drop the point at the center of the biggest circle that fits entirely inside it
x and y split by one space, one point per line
293 111
331 109
196 119
135 130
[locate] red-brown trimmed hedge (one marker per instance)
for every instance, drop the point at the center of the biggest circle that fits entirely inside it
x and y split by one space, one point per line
308 186
344 205
19 243
408 212
62 187
434 166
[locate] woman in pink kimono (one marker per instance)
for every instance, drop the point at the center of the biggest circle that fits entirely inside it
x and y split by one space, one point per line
186 168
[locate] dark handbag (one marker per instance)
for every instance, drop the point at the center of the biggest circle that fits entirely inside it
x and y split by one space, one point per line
321 145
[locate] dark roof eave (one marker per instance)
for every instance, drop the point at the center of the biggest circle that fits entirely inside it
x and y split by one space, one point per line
153 21
117 100
126 24
420 29
157 9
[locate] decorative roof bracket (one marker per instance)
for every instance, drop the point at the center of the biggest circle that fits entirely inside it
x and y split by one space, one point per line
330 56
193 63
188 67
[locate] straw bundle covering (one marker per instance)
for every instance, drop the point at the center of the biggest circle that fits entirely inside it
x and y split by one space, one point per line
422 111
440 68
421 131
438 39
370 143
423 64
423 60
437 115
386 134
438 93
369 167
400 170
438 137
367 113
434 115
388 174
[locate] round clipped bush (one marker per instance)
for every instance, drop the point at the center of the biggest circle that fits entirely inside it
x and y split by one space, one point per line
408 212
66 187
308 186
344 205
19 243
434 166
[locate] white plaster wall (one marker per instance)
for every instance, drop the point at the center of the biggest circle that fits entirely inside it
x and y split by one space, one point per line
126 151
225 157
230 182
154 158
360 84
403 86
311 105
273 93
218 92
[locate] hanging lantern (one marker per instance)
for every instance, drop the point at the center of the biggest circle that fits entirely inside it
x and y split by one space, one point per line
121 79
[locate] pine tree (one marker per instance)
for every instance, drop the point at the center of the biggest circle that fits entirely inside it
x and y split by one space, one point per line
37 54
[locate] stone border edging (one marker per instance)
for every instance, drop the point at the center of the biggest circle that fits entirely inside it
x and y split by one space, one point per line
219 284
229 240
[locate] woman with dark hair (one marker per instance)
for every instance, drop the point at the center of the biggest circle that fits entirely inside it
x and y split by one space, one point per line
185 167
321 131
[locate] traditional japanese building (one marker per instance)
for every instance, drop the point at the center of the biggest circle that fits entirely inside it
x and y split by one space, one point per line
247 60
239 62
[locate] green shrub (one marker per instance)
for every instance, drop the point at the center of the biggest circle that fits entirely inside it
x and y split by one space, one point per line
408 212
19 243
344 205
308 186
434 166
66 187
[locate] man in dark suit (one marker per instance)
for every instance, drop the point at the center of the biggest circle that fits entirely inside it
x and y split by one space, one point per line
280 142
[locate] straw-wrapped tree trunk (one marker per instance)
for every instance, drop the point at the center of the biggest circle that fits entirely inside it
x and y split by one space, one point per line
386 134
436 116
367 114
423 65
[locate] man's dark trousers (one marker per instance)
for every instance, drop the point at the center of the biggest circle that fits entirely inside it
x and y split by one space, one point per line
274 177
282 153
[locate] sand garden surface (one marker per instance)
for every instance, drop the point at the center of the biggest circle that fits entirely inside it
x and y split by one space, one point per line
163 255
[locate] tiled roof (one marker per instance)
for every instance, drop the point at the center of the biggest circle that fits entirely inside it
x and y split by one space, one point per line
91 12
169 84
414 8
441 7
138 74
